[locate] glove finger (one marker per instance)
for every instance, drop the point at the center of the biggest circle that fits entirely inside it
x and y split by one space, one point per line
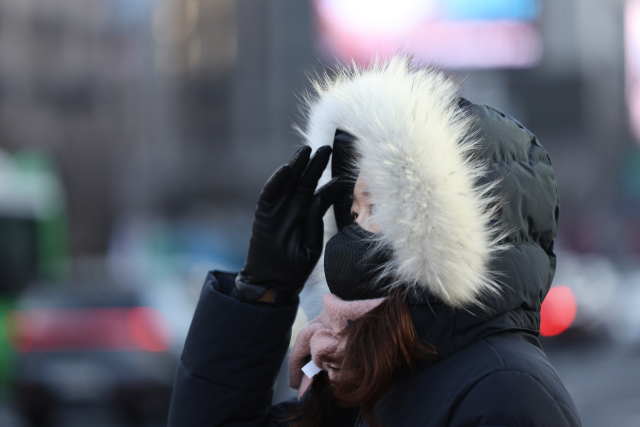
297 164
312 174
274 185
322 199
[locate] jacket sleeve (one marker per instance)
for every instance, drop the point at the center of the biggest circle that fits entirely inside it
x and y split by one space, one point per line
509 399
231 358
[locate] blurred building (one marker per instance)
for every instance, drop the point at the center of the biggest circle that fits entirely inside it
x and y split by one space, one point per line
174 108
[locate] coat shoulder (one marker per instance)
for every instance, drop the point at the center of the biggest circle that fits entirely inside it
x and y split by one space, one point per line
501 380
526 389
507 398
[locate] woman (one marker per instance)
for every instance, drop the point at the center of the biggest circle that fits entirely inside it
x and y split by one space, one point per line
435 288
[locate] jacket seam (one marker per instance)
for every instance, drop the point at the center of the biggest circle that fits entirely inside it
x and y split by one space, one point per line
504 366
500 162
211 381
476 384
520 328
525 242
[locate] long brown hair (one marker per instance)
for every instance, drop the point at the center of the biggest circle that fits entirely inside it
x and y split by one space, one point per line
381 348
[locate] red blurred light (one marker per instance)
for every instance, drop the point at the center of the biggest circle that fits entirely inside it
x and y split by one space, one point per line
558 311
112 328
147 329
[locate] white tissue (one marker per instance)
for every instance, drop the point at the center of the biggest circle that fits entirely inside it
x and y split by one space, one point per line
310 369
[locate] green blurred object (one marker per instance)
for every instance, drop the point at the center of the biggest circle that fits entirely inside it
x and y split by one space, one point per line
630 176
33 235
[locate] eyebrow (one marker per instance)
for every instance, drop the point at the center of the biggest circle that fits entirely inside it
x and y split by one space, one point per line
364 193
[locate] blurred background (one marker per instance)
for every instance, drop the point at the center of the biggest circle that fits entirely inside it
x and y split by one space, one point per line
135 136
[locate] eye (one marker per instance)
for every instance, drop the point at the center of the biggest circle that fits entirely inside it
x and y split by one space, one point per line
354 215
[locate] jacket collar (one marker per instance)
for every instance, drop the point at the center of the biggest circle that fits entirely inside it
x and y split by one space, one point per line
449 330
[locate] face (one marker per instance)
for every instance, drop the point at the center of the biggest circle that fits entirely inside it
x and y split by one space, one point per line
362 207
352 258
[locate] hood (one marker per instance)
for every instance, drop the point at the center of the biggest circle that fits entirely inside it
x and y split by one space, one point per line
464 194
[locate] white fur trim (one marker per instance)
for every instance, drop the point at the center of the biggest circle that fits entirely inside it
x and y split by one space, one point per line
415 151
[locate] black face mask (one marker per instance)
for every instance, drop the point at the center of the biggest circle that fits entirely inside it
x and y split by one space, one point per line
351 264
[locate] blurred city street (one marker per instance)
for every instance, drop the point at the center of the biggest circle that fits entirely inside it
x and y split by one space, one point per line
73 417
135 136
603 378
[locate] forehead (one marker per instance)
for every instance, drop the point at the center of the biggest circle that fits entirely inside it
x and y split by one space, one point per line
360 189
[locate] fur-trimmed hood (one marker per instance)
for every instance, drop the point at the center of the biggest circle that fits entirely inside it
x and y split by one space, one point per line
429 168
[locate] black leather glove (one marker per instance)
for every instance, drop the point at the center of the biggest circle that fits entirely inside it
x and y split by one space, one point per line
287 236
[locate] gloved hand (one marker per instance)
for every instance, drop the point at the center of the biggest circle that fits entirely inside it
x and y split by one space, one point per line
287 236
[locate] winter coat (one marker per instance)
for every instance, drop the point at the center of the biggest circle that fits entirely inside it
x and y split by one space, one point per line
476 251
483 376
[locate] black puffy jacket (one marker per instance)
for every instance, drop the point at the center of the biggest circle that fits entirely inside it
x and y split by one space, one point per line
485 377
490 368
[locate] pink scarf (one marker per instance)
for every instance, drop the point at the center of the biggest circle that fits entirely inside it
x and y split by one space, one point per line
323 337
